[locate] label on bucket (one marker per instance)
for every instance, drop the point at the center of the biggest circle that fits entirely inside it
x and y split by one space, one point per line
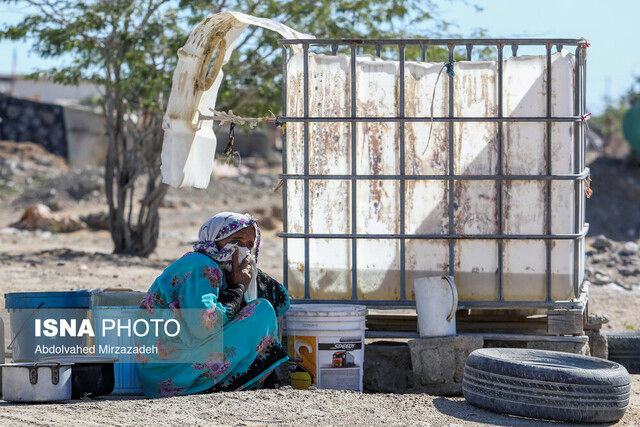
333 362
340 362
305 348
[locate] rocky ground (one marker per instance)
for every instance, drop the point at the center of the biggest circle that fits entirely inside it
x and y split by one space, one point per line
46 260
613 209
612 263
613 214
279 407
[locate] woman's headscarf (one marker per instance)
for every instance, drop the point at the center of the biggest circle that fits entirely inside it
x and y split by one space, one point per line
220 227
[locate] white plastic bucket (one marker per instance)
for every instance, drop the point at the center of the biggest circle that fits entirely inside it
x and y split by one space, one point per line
436 304
329 338
126 380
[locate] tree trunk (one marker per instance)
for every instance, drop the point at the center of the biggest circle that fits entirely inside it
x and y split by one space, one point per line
140 238
124 165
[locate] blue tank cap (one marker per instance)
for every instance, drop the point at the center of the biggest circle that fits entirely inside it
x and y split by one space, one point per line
73 299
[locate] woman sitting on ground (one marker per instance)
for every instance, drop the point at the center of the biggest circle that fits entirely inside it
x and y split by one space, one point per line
228 313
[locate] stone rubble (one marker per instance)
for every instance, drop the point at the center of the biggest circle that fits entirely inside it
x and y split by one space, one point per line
613 263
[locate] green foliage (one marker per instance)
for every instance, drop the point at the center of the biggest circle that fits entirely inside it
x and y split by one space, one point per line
141 38
609 122
129 49
127 45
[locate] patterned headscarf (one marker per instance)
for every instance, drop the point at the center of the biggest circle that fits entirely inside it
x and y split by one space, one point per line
220 227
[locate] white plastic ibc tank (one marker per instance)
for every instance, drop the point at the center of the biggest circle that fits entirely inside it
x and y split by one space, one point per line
426 202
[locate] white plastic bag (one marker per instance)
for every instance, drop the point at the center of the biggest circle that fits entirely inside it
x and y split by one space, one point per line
189 143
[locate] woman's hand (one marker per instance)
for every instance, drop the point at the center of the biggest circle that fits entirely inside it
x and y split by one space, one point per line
240 271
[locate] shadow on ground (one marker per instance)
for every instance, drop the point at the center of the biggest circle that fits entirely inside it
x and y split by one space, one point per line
63 254
73 401
465 412
613 208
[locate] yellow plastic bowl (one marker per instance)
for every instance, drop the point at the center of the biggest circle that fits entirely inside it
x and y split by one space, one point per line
300 380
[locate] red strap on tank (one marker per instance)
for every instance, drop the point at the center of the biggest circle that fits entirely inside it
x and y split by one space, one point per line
587 187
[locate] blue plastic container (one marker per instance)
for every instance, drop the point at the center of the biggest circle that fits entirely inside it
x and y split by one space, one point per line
124 370
25 307
75 299
123 305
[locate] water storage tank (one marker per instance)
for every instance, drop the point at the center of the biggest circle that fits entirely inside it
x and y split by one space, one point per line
475 207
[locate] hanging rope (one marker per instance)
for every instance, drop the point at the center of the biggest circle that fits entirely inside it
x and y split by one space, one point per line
587 187
585 119
233 119
229 152
449 67
587 181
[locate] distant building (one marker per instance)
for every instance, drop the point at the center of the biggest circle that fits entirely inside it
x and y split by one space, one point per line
45 90
56 116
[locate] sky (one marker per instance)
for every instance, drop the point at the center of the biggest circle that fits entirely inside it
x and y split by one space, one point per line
612 26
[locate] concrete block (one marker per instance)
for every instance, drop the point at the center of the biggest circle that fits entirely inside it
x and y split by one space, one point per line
387 367
598 345
438 363
565 321
567 347
595 321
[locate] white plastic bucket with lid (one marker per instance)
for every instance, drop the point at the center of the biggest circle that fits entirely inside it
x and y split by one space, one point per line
329 338
436 305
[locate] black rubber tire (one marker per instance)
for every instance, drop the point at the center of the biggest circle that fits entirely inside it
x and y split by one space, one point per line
546 385
624 348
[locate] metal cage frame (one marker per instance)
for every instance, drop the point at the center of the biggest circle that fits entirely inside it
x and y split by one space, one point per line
579 174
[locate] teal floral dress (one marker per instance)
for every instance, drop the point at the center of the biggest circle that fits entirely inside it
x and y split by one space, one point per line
224 343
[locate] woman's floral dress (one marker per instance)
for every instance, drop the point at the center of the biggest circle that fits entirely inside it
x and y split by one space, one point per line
221 345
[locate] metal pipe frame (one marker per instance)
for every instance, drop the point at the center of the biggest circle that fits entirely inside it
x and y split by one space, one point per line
427 119
462 305
285 227
580 172
436 42
466 177
402 180
354 227
500 183
548 183
568 236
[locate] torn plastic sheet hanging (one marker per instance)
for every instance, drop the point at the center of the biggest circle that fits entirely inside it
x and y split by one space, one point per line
189 143
427 201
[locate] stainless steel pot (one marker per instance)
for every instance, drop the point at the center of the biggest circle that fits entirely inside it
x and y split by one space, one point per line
36 381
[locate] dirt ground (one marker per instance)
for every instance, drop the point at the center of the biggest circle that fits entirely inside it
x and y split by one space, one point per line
284 406
46 261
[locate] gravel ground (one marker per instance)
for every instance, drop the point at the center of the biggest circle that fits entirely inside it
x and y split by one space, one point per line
284 406
32 261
